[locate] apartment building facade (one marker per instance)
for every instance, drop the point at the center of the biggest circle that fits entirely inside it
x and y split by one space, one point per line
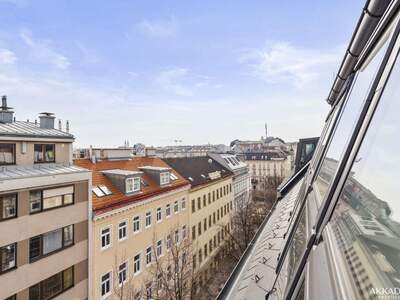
140 208
211 206
43 212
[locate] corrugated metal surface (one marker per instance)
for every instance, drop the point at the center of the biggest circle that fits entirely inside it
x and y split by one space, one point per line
28 129
15 172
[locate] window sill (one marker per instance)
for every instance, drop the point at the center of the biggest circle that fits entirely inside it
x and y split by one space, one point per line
8 270
106 247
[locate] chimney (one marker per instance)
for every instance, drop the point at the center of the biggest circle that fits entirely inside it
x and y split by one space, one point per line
67 126
6 115
59 125
47 120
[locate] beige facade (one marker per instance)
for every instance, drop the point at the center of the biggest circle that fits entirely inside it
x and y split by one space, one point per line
44 204
106 260
211 208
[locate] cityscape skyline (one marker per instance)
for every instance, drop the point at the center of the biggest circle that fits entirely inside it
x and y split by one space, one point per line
118 63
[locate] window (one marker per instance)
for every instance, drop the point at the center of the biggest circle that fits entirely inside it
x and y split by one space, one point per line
122 273
8 206
106 238
148 255
198 203
205 250
176 236
209 221
205 224
183 232
136 224
136 264
200 257
52 286
106 285
8 257
199 228
204 200
50 242
193 206
132 184
164 178
168 210
7 154
149 294
148 219
209 198
213 196
44 153
194 261
183 204
158 214
193 232
370 195
169 241
122 230
176 207
41 200
159 248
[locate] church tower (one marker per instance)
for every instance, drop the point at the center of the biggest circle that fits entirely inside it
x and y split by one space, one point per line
266 131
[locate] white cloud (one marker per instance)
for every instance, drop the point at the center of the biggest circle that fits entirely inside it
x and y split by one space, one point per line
42 50
172 80
7 57
159 28
283 62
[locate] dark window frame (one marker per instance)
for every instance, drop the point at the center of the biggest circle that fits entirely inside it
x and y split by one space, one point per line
14 154
16 206
55 207
44 154
16 257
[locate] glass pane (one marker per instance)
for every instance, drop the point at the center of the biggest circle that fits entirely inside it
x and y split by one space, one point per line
366 220
52 286
7 257
35 247
68 235
35 199
49 153
52 202
346 122
68 199
7 154
38 153
293 256
68 278
34 292
52 241
8 206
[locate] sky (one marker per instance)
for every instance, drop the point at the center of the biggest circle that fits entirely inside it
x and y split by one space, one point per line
157 71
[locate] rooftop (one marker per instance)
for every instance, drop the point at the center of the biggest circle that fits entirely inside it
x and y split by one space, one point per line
29 129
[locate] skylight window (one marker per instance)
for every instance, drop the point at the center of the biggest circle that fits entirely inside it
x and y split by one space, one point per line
98 192
105 190
173 176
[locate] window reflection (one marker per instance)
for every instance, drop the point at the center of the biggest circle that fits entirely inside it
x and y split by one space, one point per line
366 220
346 123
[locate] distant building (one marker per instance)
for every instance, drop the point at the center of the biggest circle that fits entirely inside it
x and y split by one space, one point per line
43 211
99 154
211 204
241 177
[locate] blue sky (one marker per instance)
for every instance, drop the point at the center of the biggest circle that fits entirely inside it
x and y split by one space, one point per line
155 71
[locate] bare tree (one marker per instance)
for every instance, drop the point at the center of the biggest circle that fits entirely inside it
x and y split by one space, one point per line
123 286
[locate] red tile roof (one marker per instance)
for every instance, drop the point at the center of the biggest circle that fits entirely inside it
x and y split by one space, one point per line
119 199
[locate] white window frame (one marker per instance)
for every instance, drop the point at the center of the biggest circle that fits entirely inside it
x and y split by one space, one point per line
126 273
184 232
101 237
133 223
126 230
168 242
145 219
183 204
151 255
159 246
135 184
159 212
168 207
176 236
140 265
111 285
176 204
165 178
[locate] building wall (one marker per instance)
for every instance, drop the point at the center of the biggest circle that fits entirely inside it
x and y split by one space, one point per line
19 230
104 261
199 216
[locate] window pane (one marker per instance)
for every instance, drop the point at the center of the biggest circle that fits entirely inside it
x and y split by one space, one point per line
52 286
35 199
34 292
52 202
35 247
49 153
366 220
7 254
52 241
38 153
68 235
7 154
68 278
346 123
68 199
8 206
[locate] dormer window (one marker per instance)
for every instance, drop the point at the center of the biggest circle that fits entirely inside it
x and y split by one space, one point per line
132 184
164 178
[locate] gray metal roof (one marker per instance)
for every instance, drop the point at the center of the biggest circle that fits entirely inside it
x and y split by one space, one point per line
257 274
29 129
17 172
